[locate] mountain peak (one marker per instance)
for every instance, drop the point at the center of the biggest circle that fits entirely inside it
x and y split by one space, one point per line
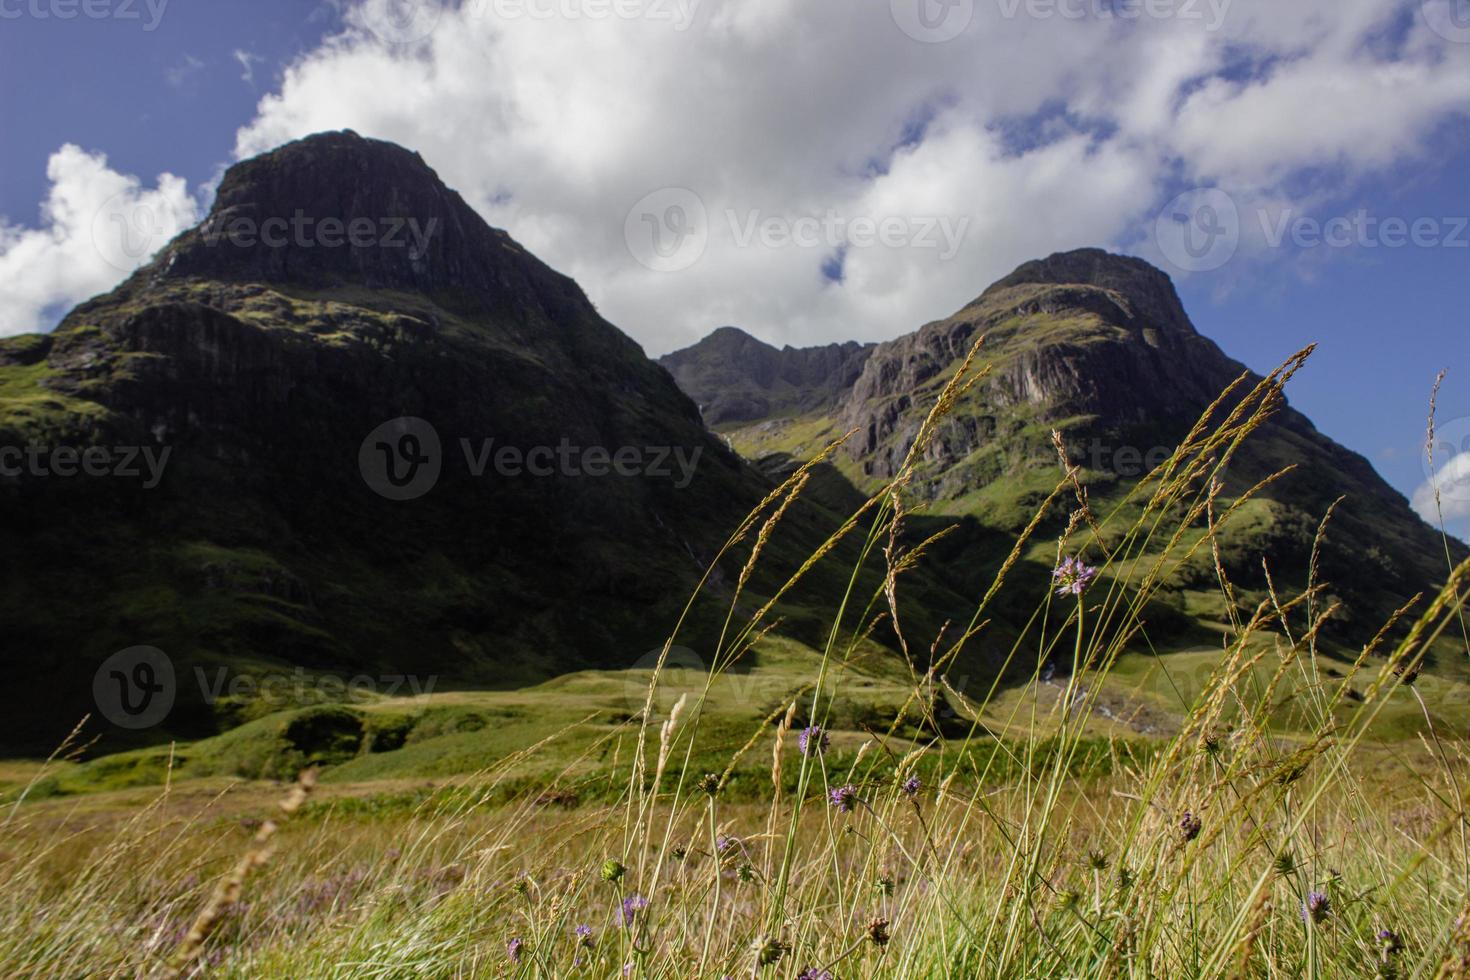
337 208
731 338
736 377
1147 289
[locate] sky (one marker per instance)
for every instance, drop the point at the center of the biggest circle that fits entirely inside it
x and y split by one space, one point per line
821 170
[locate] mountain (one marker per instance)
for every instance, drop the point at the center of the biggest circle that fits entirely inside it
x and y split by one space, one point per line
736 378
1098 346
345 426
263 505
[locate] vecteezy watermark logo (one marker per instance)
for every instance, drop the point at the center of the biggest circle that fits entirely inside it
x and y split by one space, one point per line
401 459
1363 230
89 9
639 673
134 688
126 232
1211 12
1125 461
679 13
568 459
303 231
1449 470
833 231
400 21
276 690
1450 19
668 230
143 463
1199 231
932 21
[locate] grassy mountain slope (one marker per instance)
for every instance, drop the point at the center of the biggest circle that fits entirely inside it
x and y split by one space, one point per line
1099 347
262 371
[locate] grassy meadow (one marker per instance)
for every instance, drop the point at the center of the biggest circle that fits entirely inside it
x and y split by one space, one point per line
1267 804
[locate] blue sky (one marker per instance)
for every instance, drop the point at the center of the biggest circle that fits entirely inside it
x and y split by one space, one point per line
113 85
554 127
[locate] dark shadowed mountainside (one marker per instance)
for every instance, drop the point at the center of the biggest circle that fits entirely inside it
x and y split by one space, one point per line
736 378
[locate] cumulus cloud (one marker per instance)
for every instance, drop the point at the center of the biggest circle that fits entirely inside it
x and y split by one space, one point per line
1447 494
1036 127
96 226
813 170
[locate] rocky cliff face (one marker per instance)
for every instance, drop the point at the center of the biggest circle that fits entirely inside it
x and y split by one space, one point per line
1079 334
736 378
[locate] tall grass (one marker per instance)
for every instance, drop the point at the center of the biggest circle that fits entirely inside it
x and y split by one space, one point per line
1231 848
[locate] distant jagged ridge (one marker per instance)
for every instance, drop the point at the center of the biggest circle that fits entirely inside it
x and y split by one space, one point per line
736 378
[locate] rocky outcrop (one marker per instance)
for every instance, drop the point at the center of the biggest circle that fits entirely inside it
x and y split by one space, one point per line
736 378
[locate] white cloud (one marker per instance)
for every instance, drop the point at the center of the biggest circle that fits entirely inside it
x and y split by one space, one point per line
97 225
1037 131
1453 500
1045 133
180 73
247 61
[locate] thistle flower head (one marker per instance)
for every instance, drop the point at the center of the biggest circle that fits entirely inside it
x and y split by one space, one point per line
844 798
884 883
1073 576
613 871
878 932
1317 907
1189 827
911 786
1097 860
746 872
813 740
632 905
583 934
709 784
514 948
812 973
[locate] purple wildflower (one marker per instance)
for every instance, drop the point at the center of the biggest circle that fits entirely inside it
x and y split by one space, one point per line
813 740
584 935
632 905
513 949
844 798
1073 576
726 842
1317 907
1189 826
812 973
911 786
1391 941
